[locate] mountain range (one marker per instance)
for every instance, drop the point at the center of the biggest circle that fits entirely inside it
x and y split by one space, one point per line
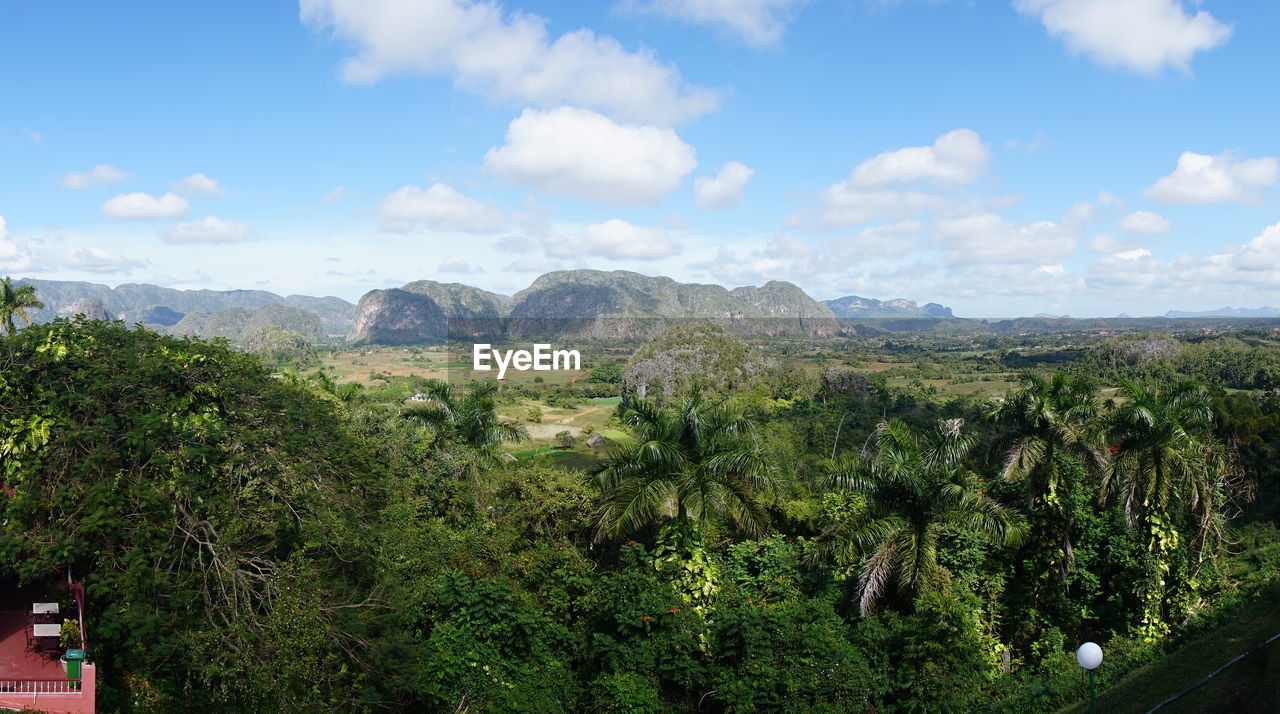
1228 312
590 304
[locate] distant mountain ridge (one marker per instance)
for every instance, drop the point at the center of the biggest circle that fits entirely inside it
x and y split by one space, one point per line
853 306
155 305
1228 312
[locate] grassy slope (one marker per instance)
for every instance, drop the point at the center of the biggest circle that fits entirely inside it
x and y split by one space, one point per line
1149 685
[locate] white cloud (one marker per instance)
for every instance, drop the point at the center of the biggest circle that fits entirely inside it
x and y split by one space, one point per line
506 57
1218 276
614 239
209 229
844 205
1141 35
335 195
198 185
756 22
96 260
724 189
532 265
987 238
1103 243
144 205
1200 178
514 244
1146 223
454 264
958 156
12 255
100 175
580 153
440 207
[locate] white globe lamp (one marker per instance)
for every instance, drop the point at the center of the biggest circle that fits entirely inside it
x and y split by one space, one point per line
1090 657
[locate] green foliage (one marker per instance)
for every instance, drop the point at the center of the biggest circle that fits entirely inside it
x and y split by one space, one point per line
258 542
178 477
698 460
915 489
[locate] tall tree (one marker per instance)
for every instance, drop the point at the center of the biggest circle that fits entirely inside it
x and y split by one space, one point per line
1167 470
1046 420
14 301
695 461
915 489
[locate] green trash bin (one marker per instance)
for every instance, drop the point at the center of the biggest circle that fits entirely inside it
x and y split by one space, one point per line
74 659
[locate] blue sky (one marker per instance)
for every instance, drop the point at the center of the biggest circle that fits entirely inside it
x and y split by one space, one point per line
1007 157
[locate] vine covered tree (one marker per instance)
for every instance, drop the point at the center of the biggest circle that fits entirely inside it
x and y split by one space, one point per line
1050 423
1167 471
915 489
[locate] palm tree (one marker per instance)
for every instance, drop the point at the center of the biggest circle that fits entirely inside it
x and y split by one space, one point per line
915 489
467 419
688 464
1048 420
14 301
1166 470
1049 417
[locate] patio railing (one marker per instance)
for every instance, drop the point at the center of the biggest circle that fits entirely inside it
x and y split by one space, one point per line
40 686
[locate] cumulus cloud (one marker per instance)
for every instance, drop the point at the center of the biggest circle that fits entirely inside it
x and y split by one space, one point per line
532 265
144 205
988 238
1200 178
1222 275
1145 223
1140 35
616 239
844 205
724 189
440 207
454 264
514 244
100 175
756 22
12 255
1103 243
577 152
198 185
96 260
506 57
209 229
335 195
958 156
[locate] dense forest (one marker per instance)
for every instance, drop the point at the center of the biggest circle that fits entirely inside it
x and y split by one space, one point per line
754 537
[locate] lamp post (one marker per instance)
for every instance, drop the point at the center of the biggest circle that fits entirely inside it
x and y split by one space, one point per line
1090 656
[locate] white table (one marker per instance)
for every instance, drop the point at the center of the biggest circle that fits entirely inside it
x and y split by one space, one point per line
44 608
39 630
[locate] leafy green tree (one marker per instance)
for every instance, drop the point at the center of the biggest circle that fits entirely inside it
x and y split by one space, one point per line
14 301
195 495
1167 471
915 489
696 461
